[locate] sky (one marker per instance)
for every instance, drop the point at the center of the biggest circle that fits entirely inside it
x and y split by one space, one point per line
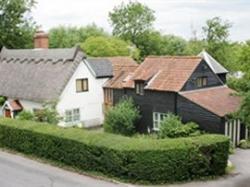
178 17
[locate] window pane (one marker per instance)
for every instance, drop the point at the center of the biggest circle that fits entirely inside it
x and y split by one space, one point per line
85 84
68 116
78 85
199 82
204 81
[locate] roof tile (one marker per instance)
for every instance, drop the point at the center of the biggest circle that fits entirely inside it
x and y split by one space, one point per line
219 100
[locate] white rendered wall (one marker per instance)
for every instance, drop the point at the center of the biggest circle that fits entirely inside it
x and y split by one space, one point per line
90 103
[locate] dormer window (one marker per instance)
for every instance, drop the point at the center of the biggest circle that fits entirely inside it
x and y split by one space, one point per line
139 87
201 82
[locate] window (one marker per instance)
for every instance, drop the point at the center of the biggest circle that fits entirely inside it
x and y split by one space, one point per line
139 88
157 118
108 95
72 115
201 81
82 85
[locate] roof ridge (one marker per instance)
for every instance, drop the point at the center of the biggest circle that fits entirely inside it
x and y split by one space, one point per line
204 89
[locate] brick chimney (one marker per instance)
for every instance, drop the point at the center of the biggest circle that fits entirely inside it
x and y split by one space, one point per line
41 40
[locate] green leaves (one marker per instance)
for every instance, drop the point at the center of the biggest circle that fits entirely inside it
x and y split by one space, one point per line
121 118
66 37
172 127
133 159
108 46
130 20
16 24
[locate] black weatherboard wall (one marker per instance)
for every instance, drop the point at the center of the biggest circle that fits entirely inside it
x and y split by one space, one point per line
207 121
151 101
203 70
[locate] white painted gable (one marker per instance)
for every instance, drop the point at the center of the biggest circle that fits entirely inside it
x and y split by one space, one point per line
90 103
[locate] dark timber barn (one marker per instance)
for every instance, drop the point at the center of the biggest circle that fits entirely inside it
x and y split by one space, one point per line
193 87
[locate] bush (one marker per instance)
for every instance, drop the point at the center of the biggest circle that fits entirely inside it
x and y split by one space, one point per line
48 114
172 127
2 100
25 115
144 160
244 144
122 118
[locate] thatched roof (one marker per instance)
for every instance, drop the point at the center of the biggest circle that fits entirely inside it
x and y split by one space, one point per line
37 74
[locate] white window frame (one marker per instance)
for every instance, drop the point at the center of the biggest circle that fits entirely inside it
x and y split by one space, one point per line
157 119
72 115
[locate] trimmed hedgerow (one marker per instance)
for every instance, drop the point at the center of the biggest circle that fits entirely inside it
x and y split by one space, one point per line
134 159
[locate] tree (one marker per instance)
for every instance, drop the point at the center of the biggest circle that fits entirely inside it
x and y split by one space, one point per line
172 45
244 111
108 46
130 21
194 47
154 43
16 25
244 57
66 37
216 37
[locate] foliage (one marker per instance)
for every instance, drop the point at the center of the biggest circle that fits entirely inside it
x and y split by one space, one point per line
244 57
216 34
108 46
239 84
17 27
66 37
194 47
172 45
144 160
244 111
121 119
2 100
244 144
172 127
130 20
26 115
48 114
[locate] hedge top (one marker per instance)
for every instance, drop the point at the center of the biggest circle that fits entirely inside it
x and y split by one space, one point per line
113 141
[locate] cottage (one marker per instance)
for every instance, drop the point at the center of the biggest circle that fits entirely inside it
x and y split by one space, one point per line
193 87
31 77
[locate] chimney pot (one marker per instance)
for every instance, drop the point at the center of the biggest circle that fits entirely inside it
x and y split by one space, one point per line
41 40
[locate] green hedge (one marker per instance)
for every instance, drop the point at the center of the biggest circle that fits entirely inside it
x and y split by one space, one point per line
134 159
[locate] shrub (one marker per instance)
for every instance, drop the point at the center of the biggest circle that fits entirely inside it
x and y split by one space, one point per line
2 100
172 127
48 114
122 118
244 144
144 160
25 115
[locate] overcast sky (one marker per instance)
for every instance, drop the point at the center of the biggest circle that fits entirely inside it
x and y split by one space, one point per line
177 17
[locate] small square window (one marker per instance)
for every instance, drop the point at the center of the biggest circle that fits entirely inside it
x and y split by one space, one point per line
82 85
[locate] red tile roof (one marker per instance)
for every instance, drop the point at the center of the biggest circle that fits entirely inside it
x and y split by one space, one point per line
165 73
15 105
122 68
218 100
